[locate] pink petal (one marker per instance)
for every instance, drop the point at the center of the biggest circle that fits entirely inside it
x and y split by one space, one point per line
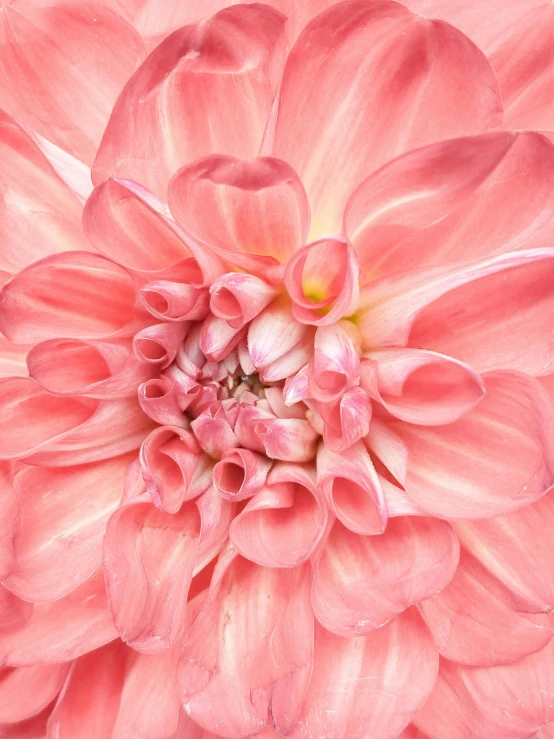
147 588
421 387
493 461
159 399
214 431
335 366
322 280
240 474
446 203
291 362
174 301
61 630
251 207
287 439
230 57
73 295
468 312
273 333
250 650
474 621
388 448
89 704
517 549
352 489
434 77
283 524
239 297
29 184
96 369
63 66
363 582
368 686
347 420
13 358
63 518
218 339
25 691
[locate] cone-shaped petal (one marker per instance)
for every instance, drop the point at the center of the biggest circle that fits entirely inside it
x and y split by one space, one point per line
158 344
159 399
238 297
335 366
174 301
240 474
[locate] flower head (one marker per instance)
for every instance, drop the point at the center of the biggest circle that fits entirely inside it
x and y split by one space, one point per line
277 346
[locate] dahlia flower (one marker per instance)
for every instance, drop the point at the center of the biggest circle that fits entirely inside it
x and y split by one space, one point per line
277 369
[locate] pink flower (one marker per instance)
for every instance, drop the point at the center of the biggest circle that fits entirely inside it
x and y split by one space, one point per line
277 363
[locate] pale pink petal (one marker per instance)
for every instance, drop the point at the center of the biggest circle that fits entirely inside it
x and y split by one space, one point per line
368 686
467 312
322 280
421 387
287 439
63 66
474 621
89 704
238 297
276 399
495 460
254 207
147 588
218 338
296 388
224 65
273 333
283 524
363 582
357 75
213 430
388 448
240 474
250 650
96 369
517 548
158 344
335 366
347 420
290 362
171 461
63 518
73 295
446 203
61 630
352 489
39 214
517 39
25 691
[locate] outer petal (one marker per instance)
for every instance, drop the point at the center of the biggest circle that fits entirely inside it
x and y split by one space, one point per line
250 650
74 295
63 519
251 207
469 311
39 215
446 203
62 67
474 621
495 460
517 548
358 102
363 582
61 630
25 691
153 132
368 686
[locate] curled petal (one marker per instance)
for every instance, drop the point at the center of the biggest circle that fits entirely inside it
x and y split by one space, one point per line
335 366
347 420
213 429
352 489
61 630
63 70
254 213
72 295
474 621
238 297
421 387
363 582
273 333
229 57
240 474
495 460
95 369
422 71
172 467
369 685
283 524
174 301
290 363
287 439
322 280
158 344
218 338
248 658
159 399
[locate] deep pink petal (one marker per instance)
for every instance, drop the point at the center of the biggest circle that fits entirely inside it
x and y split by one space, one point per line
229 58
363 582
250 651
368 686
356 75
63 66
495 460
25 691
249 207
